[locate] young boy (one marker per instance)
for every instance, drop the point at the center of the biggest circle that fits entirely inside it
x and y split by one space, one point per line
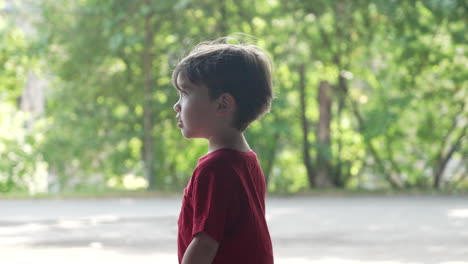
223 88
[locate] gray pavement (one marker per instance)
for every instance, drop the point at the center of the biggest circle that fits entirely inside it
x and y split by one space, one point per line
402 229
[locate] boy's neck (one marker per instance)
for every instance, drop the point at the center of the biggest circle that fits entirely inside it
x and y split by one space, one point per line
233 140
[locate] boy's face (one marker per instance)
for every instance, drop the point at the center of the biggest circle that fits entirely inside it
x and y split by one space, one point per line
196 112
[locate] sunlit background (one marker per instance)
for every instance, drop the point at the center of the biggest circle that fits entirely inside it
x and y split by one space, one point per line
371 101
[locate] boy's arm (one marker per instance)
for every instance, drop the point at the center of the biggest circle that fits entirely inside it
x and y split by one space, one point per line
201 250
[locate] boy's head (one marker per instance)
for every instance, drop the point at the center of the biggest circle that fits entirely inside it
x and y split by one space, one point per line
242 71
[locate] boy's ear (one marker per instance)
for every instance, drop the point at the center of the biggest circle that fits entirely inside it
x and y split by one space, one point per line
226 103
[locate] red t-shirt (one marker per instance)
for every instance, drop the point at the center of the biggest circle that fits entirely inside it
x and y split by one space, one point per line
225 198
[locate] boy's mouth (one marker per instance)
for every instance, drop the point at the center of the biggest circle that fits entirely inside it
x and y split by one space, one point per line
179 124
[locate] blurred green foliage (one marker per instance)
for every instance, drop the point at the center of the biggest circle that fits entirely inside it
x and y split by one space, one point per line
399 72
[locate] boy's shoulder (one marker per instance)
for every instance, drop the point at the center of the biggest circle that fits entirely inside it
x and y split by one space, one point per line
224 159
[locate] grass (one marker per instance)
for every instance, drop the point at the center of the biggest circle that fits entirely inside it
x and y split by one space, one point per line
111 193
91 194
379 192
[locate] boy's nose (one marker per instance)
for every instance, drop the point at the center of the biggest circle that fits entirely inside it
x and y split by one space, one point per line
177 107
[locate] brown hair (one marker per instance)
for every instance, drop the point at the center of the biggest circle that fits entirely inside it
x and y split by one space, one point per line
242 70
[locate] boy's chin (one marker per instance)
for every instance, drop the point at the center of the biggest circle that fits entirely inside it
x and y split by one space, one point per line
184 134
189 135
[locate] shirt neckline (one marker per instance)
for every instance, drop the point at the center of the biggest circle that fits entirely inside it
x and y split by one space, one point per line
250 152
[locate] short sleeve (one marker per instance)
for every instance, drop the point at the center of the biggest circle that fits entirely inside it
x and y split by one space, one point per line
211 198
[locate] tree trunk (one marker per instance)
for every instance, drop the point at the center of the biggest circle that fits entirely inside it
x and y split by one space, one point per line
394 180
305 129
148 152
339 177
271 157
444 159
324 154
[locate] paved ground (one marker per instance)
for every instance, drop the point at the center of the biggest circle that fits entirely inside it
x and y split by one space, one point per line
352 230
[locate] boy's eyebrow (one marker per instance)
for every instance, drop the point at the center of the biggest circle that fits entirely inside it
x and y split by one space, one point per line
183 87
183 83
